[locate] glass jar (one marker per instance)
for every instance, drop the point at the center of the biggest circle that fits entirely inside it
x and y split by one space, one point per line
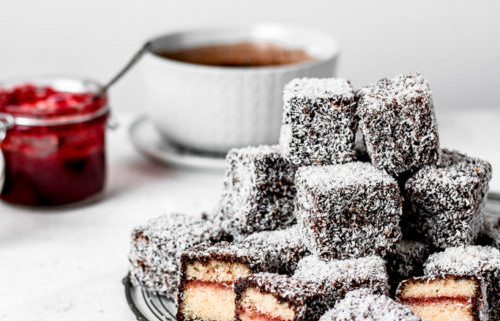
54 140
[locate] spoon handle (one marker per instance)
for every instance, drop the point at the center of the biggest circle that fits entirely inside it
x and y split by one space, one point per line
146 47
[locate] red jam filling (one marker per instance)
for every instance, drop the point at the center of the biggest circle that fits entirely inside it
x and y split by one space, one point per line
53 164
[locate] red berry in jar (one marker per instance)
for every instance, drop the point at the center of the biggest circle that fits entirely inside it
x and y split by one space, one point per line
55 152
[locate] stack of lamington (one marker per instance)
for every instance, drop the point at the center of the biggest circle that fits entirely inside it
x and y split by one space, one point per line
324 222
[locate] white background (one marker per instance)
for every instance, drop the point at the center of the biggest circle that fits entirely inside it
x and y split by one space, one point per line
456 44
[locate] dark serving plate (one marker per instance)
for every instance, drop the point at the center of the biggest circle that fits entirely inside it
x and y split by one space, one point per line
151 306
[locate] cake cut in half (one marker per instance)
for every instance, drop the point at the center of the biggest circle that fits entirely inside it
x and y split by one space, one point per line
274 297
446 297
480 261
208 295
208 273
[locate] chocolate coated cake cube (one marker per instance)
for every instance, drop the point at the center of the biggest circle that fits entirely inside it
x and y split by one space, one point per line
480 261
444 203
258 191
398 123
319 121
348 210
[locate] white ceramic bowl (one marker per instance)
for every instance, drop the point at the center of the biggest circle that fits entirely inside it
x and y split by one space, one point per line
213 108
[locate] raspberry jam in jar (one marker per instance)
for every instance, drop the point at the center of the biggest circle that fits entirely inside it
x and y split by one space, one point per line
54 144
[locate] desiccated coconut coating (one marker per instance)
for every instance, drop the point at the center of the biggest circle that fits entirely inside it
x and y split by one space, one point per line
362 305
269 251
156 248
258 191
481 261
398 123
445 202
348 210
341 276
319 121
309 300
405 261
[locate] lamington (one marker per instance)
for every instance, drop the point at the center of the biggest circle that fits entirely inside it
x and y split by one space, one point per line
445 297
208 273
347 210
157 246
338 277
319 121
480 261
405 261
398 123
445 202
258 191
274 297
362 305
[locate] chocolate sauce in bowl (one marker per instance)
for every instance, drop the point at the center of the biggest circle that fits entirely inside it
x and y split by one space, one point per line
244 54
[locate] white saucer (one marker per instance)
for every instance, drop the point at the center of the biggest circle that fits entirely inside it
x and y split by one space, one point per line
149 142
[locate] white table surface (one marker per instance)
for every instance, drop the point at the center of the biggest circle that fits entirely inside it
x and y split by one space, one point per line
68 264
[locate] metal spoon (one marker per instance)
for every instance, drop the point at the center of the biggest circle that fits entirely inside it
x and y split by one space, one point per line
112 120
135 58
